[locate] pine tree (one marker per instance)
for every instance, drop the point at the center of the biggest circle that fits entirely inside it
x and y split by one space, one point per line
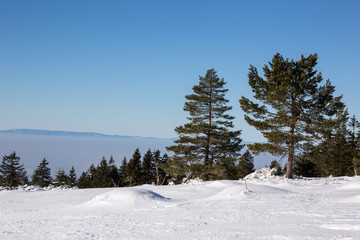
356 159
61 178
42 175
245 165
208 139
84 180
122 172
354 125
292 105
114 173
72 177
353 138
333 156
13 173
148 168
176 168
304 167
133 169
101 175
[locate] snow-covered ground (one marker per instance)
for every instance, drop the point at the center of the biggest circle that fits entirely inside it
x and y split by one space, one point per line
272 208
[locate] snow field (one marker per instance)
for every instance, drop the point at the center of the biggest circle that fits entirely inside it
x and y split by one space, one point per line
323 208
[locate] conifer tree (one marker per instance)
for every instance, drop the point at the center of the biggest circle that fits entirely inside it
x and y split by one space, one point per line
333 156
245 165
293 105
133 169
303 166
61 178
122 172
13 173
208 139
72 177
176 168
353 138
148 168
354 125
84 180
356 159
102 175
114 173
42 175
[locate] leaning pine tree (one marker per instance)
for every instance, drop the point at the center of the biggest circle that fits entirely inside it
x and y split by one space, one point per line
207 142
292 105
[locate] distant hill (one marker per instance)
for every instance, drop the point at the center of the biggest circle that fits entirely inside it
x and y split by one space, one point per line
37 132
64 149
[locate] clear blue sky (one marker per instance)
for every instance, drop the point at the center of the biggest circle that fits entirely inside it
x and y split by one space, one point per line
124 67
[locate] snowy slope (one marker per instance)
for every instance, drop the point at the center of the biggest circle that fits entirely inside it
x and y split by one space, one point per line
277 209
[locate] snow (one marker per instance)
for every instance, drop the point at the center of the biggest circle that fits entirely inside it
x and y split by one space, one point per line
272 208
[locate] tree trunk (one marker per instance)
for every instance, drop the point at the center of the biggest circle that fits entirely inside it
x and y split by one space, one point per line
207 161
157 173
289 165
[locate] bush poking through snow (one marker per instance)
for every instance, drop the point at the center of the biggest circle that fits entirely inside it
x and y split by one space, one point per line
263 174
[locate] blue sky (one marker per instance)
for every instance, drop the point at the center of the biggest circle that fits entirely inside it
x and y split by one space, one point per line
124 67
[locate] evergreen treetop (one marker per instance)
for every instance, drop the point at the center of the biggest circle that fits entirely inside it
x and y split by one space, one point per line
148 168
61 178
133 169
72 177
42 175
13 173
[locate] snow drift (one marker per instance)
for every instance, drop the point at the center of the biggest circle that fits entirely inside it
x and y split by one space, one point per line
126 198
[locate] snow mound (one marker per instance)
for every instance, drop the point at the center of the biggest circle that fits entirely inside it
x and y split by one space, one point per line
353 199
230 193
127 198
350 186
221 183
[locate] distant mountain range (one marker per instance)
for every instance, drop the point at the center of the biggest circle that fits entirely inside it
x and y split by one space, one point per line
64 149
37 132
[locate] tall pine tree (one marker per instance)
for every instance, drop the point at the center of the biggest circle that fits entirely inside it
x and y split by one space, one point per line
148 168
122 172
84 180
208 139
61 178
353 138
72 177
13 173
42 175
133 169
333 156
293 105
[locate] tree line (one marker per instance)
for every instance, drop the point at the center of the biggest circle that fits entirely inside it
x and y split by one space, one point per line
291 106
152 168
13 174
